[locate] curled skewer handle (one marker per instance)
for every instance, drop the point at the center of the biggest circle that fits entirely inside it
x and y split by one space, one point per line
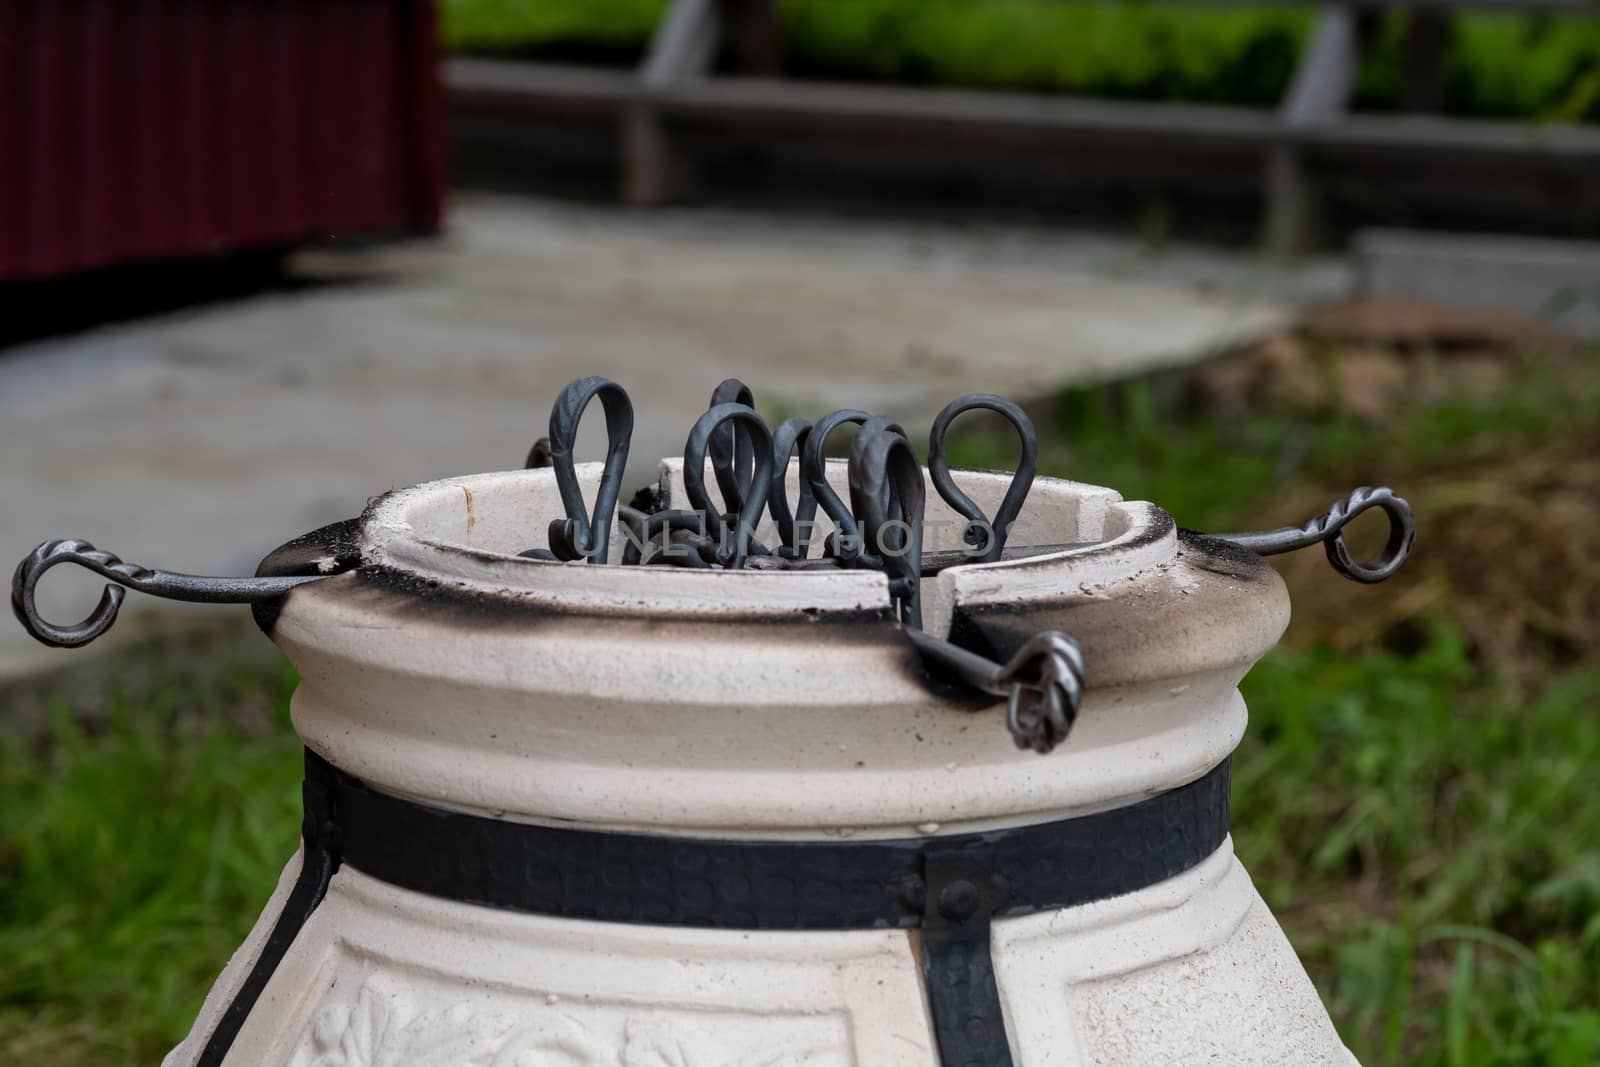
1328 529
581 535
986 535
889 499
814 470
1047 683
166 584
1043 682
739 524
794 527
853 542
732 451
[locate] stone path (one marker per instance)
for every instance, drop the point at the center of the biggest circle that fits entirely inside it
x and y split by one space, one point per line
199 441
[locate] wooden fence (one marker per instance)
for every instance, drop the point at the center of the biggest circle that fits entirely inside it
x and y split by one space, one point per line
667 111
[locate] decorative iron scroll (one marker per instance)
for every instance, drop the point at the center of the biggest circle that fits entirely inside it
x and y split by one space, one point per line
1329 528
880 528
165 584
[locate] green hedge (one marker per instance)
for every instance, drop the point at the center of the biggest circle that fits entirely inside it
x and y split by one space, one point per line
1500 66
1540 66
1141 51
510 25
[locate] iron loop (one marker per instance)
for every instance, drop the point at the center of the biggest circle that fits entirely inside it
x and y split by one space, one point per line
165 584
814 473
866 480
986 536
50 554
794 527
1328 529
734 530
887 490
578 536
1046 679
732 450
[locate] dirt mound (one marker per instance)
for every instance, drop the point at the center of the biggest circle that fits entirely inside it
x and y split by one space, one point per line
1406 323
1370 358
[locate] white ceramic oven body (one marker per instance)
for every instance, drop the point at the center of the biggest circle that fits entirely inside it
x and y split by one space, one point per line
761 705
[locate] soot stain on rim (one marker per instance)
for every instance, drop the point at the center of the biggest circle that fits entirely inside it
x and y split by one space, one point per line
407 595
1159 526
330 549
336 549
1130 629
1214 555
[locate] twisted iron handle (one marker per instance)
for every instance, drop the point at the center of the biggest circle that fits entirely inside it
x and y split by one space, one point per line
1328 529
1043 682
814 471
166 584
1046 676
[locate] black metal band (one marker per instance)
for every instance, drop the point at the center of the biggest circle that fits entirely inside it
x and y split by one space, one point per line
765 885
951 887
319 862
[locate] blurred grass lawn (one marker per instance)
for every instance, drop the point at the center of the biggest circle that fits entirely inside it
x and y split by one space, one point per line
1427 831
1496 64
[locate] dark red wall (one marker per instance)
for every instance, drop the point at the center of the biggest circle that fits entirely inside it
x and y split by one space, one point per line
144 129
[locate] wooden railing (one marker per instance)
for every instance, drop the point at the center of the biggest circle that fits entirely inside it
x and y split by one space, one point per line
673 103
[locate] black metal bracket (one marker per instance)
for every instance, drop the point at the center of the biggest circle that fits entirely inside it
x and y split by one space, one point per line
321 856
962 895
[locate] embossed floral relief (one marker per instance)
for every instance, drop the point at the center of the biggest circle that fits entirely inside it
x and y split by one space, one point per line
384 1027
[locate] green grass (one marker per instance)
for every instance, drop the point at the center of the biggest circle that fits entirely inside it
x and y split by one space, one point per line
1218 472
1167 51
1428 835
1433 849
509 24
1428 844
133 859
1500 66
1545 67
